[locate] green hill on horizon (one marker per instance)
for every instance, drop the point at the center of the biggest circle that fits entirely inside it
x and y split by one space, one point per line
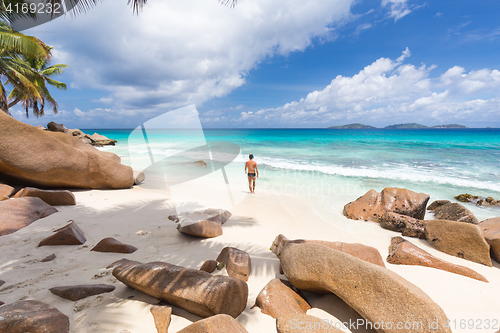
406 126
352 126
450 126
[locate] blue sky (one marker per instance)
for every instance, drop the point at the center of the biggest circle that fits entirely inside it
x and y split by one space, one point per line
270 63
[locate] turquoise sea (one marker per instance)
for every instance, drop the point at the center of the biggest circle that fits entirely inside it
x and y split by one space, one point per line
331 167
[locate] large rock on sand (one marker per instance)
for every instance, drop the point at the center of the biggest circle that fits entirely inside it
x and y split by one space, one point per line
305 324
110 244
215 324
437 203
52 197
363 252
374 292
403 252
32 317
372 205
277 299
162 316
76 293
207 223
193 290
408 226
5 191
55 159
491 232
237 262
70 234
203 228
16 214
463 240
455 212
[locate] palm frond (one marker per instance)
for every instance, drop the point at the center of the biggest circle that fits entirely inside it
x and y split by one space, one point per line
15 42
229 3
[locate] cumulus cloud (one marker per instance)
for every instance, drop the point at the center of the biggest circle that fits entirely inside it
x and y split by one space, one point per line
183 52
389 90
78 112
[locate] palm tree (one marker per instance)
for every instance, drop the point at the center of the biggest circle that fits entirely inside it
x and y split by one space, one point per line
40 75
13 67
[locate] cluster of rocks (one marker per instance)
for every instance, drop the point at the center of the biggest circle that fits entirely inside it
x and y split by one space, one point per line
480 201
38 317
455 231
374 292
28 205
94 139
218 298
44 158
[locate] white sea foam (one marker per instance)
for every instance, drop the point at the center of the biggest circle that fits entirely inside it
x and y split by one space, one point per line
399 172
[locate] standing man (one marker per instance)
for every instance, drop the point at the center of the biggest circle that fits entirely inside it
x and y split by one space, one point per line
252 172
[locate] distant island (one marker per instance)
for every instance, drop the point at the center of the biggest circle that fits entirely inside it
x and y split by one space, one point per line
352 126
406 126
450 126
399 126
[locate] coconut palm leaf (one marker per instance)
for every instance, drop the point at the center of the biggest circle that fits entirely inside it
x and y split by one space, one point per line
15 42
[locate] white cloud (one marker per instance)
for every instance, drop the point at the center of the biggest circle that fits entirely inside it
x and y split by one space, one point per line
176 53
398 8
390 91
78 112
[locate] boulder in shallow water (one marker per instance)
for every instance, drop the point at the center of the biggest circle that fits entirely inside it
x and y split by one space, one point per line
276 299
372 205
463 240
374 292
437 203
403 252
466 197
491 232
110 244
408 226
52 197
101 140
455 212
76 293
361 251
238 263
54 159
32 317
16 214
70 234
193 290
215 324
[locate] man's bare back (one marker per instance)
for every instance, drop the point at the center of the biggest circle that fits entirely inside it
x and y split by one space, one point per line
253 172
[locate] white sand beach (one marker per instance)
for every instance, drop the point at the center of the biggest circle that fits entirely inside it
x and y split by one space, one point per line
139 216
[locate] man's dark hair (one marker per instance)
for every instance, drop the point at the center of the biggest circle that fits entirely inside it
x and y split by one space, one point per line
250 156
